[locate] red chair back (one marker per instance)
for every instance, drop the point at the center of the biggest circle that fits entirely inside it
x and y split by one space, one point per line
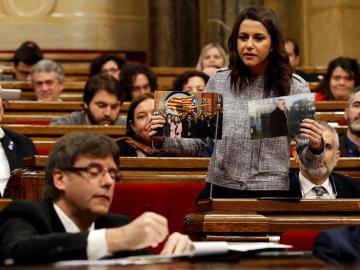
300 240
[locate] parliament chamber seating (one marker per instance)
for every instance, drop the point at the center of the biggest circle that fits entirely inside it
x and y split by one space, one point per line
170 187
41 113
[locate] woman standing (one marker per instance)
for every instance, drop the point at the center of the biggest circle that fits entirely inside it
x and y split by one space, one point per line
259 68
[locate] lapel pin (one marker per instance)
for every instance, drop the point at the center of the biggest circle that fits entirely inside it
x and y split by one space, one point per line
11 145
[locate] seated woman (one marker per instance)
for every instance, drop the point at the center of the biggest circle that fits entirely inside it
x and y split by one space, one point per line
190 81
212 57
341 77
109 64
137 141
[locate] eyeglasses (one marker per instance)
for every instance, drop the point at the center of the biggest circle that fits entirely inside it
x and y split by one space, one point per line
96 172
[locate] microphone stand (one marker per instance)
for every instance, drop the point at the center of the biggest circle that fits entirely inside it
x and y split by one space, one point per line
212 169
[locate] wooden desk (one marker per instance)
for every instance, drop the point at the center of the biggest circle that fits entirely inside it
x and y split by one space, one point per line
44 132
233 263
28 183
3 203
330 105
236 219
22 111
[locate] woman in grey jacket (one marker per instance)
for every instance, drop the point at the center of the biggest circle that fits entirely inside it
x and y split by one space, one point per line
258 69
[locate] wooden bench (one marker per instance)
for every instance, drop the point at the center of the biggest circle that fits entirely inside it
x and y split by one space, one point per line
26 111
330 117
313 70
51 133
244 219
330 106
73 90
331 111
79 73
150 183
3 203
157 170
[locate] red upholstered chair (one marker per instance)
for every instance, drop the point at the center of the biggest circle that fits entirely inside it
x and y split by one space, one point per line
173 201
43 151
33 122
300 240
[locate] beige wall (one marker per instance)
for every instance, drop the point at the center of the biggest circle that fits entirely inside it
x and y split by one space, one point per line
75 24
325 29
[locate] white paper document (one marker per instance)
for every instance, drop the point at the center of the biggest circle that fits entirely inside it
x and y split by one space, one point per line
200 249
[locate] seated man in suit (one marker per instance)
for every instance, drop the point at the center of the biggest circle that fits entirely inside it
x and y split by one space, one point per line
13 148
47 80
101 101
339 245
321 182
72 222
350 141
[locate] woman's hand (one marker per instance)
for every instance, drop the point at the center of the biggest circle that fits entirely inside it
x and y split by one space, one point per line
156 122
312 130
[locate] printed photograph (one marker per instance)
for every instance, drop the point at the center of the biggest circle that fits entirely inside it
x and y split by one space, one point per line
197 115
280 116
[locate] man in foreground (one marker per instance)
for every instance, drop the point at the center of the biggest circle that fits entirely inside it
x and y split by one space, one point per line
321 182
72 222
101 102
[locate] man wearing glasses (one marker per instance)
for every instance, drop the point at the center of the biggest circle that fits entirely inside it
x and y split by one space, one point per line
321 182
72 222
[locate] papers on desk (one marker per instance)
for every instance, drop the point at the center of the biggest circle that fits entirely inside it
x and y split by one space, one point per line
200 249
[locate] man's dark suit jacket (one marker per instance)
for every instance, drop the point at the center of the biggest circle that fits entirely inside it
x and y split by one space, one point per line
31 232
345 186
16 147
278 123
343 147
339 246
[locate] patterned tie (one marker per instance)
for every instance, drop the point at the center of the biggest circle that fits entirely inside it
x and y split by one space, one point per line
319 190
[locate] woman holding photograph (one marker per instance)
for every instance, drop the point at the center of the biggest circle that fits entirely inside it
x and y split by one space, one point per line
258 68
137 141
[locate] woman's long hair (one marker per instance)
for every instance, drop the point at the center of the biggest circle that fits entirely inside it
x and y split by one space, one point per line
278 71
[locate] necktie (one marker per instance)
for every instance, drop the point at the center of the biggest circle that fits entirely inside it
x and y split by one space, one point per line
319 191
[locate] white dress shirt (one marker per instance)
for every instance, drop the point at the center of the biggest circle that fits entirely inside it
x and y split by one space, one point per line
96 242
4 166
307 188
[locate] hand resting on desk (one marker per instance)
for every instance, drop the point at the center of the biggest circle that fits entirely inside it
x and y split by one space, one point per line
148 230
